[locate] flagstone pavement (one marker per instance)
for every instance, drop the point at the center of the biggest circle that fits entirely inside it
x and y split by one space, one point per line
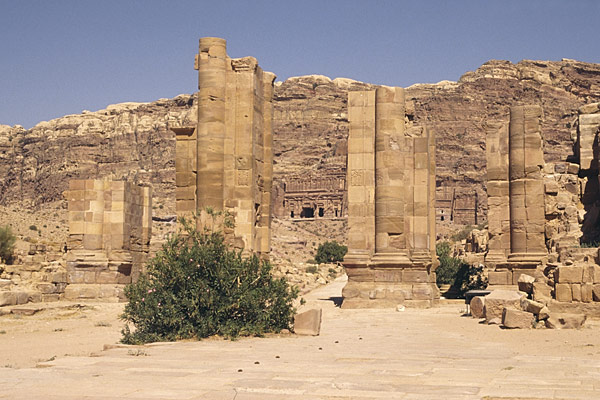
360 354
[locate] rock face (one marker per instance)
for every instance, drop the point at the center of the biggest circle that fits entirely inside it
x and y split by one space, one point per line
133 140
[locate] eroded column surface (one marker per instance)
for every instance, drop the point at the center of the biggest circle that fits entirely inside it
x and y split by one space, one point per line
229 151
212 82
361 179
498 194
390 149
391 218
526 185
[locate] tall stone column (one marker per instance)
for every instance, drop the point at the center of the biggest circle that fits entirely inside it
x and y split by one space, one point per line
527 214
390 240
361 179
420 227
265 216
212 72
391 219
498 196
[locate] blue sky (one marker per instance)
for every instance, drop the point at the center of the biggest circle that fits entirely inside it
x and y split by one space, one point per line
61 57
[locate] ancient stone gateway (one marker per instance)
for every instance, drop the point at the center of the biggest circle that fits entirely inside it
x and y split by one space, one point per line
391 217
225 161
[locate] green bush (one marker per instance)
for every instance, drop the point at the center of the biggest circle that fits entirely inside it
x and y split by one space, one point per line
449 266
7 244
330 252
312 269
196 287
457 273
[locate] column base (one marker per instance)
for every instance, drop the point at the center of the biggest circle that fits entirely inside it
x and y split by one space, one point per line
388 280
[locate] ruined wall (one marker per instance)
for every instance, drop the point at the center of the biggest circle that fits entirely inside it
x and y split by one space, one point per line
110 225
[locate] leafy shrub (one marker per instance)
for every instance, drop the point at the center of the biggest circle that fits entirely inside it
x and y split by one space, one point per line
196 287
7 244
457 273
330 252
312 269
33 228
449 266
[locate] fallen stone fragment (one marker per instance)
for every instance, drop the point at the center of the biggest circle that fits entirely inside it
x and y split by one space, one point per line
542 292
494 321
531 306
525 283
517 319
498 300
544 313
565 321
477 306
308 322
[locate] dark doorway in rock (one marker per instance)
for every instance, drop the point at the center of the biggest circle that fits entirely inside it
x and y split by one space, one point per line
307 212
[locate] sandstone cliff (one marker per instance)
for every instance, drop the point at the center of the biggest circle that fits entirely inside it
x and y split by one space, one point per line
310 128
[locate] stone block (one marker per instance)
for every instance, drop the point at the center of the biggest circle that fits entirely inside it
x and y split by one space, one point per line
576 291
525 283
46 288
531 306
517 319
53 297
568 274
543 314
565 321
587 292
22 297
477 306
563 292
499 278
308 322
8 298
596 292
422 291
410 276
498 300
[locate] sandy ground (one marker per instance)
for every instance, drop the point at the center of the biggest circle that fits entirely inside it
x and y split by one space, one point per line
82 329
360 354
63 329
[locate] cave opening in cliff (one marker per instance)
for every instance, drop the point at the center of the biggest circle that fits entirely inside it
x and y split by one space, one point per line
307 212
321 212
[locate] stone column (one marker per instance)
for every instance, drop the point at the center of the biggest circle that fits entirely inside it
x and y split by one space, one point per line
498 195
527 211
420 242
265 216
212 69
361 179
390 240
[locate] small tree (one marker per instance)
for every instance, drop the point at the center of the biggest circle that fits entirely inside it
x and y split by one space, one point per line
454 271
196 287
330 252
7 244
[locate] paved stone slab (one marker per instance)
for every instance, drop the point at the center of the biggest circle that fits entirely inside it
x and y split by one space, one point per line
360 354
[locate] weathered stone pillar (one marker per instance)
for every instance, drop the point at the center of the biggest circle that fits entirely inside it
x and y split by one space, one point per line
265 215
232 160
389 172
212 72
361 180
527 211
391 219
498 197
